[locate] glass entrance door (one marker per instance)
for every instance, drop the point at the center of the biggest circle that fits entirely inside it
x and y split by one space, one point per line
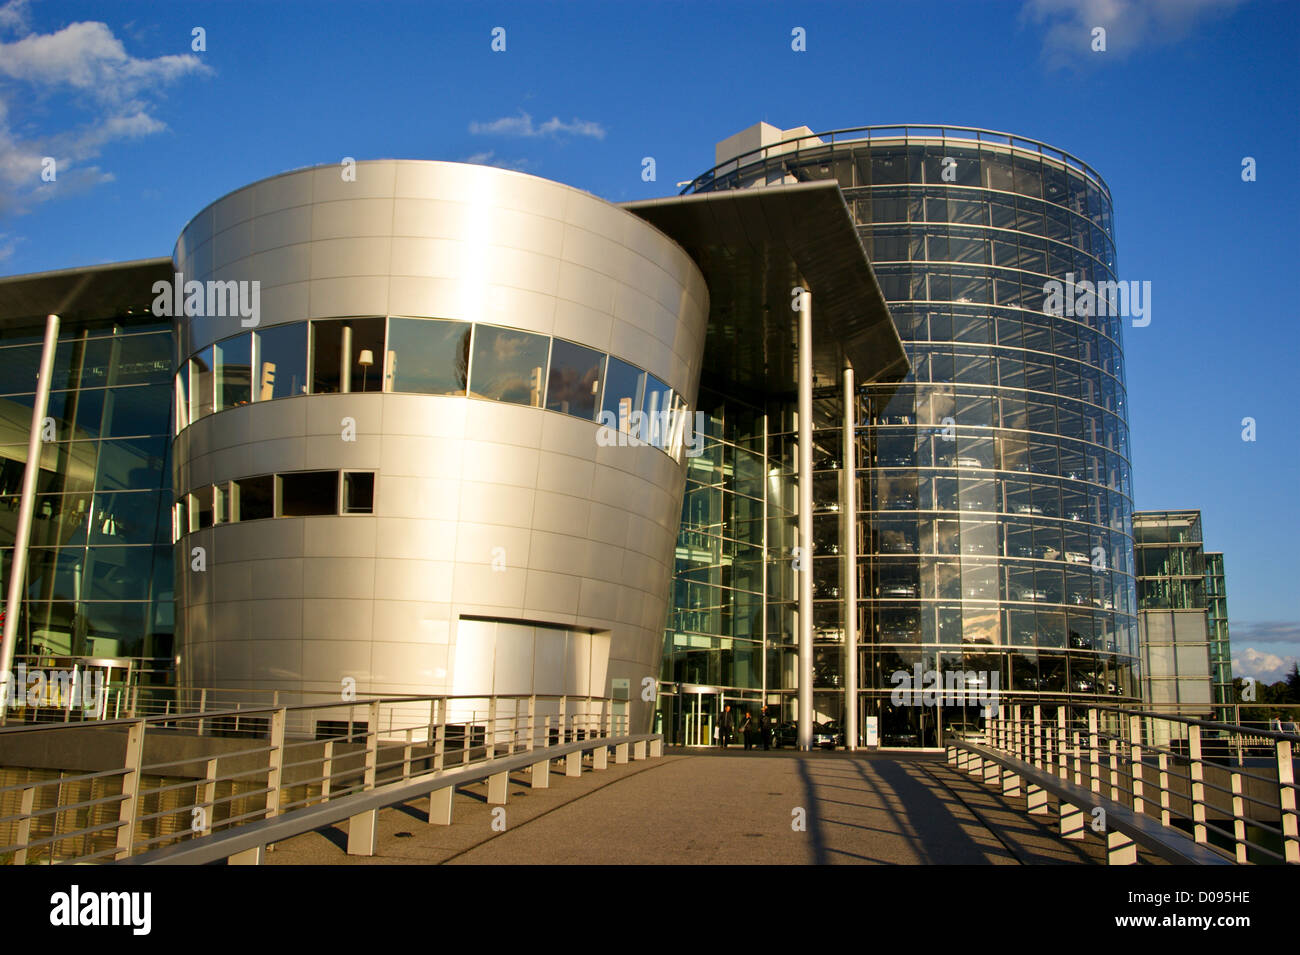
700 716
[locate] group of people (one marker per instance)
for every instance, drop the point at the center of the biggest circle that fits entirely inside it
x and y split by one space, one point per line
754 730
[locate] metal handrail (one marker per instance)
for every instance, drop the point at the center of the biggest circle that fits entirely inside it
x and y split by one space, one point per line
1122 757
388 748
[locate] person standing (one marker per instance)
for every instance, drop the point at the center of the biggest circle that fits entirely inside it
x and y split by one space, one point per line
764 728
747 731
724 736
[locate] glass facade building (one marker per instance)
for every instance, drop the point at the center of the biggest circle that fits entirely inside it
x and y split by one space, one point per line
99 575
993 485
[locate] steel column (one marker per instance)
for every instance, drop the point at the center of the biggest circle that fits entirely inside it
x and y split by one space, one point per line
849 497
805 522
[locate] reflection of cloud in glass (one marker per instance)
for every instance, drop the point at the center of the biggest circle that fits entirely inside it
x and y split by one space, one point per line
507 346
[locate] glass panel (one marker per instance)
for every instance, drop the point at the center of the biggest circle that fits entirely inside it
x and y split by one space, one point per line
658 400
574 383
256 498
427 356
343 363
309 493
508 365
234 372
624 389
282 358
201 384
142 409
143 358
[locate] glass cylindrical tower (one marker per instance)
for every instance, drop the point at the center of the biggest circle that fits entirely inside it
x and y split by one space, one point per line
995 497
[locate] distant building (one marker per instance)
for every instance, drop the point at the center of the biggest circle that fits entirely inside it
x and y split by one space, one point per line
1182 616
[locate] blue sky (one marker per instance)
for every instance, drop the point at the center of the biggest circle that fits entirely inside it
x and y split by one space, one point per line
147 131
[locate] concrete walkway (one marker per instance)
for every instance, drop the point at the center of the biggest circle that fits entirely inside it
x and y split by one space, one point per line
693 807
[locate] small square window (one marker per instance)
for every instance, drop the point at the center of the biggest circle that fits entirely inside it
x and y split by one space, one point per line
358 492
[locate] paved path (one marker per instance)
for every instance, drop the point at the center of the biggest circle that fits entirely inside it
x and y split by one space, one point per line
713 808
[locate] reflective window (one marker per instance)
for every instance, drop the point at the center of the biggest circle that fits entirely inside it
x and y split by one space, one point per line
427 356
282 361
345 355
508 365
573 386
234 372
201 384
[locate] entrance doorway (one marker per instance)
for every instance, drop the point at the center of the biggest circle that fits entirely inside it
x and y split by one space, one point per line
701 714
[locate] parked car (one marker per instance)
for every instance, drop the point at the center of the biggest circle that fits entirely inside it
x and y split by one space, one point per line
898 590
828 735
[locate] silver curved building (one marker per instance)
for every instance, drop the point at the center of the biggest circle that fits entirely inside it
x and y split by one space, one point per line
397 471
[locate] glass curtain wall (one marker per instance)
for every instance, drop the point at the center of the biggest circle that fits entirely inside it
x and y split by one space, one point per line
994 483
714 642
1216 598
99 577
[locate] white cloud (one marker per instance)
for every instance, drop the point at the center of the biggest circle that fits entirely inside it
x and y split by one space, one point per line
490 158
523 125
89 69
1265 667
1130 24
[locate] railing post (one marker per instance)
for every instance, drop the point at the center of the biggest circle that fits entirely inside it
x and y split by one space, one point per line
130 788
276 763
24 833
1238 819
209 796
1162 762
1094 752
532 722
203 707
406 754
1038 736
1198 784
372 745
1287 801
1137 771
1112 746
326 770
1062 744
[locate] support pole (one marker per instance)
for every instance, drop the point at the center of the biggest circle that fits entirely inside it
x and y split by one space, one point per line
849 507
26 508
805 573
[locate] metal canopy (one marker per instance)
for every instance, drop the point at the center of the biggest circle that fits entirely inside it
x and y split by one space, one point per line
754 246
86 293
